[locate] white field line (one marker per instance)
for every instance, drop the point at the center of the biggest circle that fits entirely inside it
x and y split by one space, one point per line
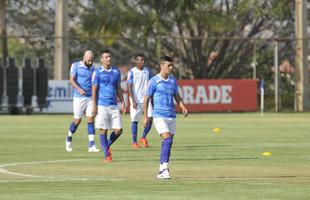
5 171
47 178
41 162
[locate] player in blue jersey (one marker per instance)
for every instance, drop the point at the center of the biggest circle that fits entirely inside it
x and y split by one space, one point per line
105 90
138 78
163 89
80 78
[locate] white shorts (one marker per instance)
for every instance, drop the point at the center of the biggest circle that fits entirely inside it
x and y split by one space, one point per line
135 114
108 117
165 125
82 106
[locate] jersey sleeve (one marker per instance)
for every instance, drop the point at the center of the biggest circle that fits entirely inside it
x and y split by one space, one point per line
151 88
176 87
130 77
73 69
95 78
119 76
150 73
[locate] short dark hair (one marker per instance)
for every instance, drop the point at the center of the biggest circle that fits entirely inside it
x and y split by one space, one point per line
139 55
166 58
105 51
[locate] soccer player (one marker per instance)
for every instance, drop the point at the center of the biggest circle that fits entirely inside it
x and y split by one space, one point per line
163 88
105 89
138 78
80 78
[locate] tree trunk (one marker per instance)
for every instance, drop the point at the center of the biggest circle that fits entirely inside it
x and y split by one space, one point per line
3 36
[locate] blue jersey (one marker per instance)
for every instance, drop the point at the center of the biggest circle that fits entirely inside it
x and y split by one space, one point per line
107 82
162 91
82 75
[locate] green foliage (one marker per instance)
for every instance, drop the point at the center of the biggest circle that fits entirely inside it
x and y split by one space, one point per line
188 30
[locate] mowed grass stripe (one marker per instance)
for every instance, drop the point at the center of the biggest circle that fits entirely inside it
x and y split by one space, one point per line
204 164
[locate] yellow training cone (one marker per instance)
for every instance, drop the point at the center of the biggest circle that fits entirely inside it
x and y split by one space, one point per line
216 130
266 154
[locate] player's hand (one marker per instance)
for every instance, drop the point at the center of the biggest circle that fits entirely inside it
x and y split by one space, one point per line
94 112
145 121
185 112
123 107
81 91
134 104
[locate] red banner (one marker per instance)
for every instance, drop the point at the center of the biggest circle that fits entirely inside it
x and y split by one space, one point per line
219 95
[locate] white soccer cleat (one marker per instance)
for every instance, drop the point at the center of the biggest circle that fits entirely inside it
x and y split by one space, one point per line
68 146
93 149
164 174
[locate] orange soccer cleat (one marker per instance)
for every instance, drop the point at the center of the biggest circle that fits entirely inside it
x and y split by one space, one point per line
135 145
109 152
108 159
144 142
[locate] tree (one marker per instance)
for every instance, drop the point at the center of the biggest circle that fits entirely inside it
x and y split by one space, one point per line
192 30
3 35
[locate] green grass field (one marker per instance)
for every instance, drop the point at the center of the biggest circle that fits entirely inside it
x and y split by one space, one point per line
204 164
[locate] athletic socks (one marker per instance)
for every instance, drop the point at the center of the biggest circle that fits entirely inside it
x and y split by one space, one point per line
134 130
169 152
91 134
71 131
146 129
112 139
91 140
104 143
165 152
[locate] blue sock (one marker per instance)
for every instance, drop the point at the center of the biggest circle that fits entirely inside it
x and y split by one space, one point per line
90 128
161 153
146 129
169 152
165 151
104 143
91 131
112 139
134 130
72 129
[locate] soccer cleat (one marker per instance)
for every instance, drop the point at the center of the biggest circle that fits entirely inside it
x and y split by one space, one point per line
110 152
108 159
164 174
68 146
144 142
135 145
93 149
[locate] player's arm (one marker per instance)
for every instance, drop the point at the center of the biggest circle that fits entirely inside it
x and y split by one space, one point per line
73 82
94 100
130 89
94 93
130 92
119 93
146 101
180 102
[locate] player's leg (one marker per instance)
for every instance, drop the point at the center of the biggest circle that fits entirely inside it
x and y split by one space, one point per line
165 155
90 128
148 127
166 129
102 123
104 144
135 114
78 113
116 124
